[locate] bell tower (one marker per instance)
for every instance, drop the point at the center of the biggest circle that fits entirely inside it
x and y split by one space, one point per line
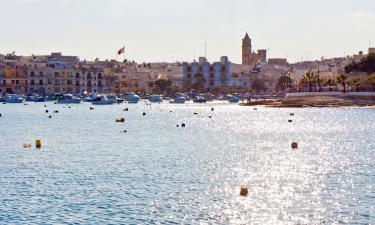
246 50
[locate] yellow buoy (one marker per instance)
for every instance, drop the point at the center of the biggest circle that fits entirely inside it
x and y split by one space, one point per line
38 143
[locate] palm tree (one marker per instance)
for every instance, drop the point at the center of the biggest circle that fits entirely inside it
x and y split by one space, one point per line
370 80
355 82
330 82
342 78
309 78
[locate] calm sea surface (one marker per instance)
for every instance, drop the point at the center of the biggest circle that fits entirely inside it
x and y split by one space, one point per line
89 171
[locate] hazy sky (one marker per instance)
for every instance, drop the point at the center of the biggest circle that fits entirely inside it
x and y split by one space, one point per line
167 30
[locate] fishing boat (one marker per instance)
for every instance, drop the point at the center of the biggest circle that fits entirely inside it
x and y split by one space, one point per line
68 99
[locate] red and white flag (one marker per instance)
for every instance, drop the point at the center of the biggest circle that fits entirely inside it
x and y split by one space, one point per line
121 51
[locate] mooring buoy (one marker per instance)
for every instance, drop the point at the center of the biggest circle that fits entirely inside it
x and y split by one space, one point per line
244 191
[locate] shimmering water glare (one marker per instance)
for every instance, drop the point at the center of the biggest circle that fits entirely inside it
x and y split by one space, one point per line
89 171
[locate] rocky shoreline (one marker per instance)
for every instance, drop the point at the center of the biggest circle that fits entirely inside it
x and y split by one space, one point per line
314 101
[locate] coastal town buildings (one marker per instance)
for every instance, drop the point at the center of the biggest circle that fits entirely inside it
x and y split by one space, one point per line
58 73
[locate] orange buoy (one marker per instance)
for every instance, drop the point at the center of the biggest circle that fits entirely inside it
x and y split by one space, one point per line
244 191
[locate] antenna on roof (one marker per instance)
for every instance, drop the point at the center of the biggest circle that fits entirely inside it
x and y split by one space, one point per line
205 50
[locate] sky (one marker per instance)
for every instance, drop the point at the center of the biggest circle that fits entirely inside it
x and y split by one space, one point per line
170 30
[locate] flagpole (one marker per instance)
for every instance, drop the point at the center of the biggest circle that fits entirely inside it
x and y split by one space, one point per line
124 53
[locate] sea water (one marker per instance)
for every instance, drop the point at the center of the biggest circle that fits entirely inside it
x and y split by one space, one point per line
90 171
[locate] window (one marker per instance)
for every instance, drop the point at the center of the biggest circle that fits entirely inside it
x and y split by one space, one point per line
32 74
40 82
57 74
77 76
32 82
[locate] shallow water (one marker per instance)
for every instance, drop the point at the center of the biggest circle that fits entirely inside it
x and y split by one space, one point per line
89 171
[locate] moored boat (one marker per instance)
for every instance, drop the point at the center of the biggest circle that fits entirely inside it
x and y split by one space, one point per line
155 98
199 99
233 99
102 100
178 100
68 99
14 98
132 98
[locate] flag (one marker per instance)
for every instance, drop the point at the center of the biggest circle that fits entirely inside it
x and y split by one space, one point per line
121 51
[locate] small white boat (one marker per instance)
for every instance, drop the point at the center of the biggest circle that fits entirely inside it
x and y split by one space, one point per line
178 100
102 100
68 99
132 98
155 98
14 98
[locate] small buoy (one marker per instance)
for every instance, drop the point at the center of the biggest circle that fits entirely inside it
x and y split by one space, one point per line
210 117
290 121
170 111
255 109
126 109
50 117
244 191
4 103
292 114
47 111
183 125
294 145
125 131
120 120
177 125
91 108
38 143
56 111
195 113
26 145
25 104
212 109
69 107
144 113
0 114
45 106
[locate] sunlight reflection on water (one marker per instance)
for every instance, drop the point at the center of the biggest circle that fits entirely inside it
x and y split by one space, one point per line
89 171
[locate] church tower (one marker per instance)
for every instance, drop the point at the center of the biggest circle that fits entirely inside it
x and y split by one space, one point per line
246 50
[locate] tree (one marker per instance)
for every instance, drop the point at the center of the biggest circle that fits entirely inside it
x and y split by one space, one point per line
342 79
309 79
283 83
355 82
258 85
367 65
163 85
330 82
200 82
370 80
